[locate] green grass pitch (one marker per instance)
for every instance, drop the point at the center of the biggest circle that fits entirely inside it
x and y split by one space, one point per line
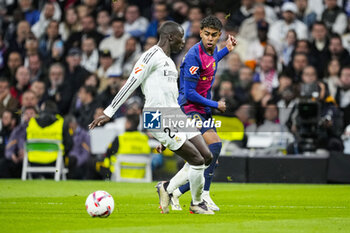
48 206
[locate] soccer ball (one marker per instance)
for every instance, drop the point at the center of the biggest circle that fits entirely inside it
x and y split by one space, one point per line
99 204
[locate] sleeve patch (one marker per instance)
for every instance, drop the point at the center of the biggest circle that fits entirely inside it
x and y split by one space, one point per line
193 69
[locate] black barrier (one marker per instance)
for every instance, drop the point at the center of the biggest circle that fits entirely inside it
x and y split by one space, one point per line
231 169
272 169
287 169
338 168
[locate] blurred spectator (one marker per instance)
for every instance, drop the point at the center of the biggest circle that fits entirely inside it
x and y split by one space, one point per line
90 54
92 6
249 28
332 76
59 91
279 29
17 42
14 61
92 81
267 73
49 39
226 93
39 88
334 17
130 142
51 126
299 62
319 45
303 46
258 98
82 11
11 166
75 74
132 53
305 14
243 83
31 46
46 16
233 65
80 153
29 99
194 15
337 51
118 8
3 51
270 123
288 47
116 42
150 41
244 12
135 24
190 41
105 67
84 109
70 23
104 23
89 29
22 83
180 11
286 104
284 81
31 15
257 46
36 69
244 114
115 82
343 94
270 14
346 36
161 14
8 122
7 102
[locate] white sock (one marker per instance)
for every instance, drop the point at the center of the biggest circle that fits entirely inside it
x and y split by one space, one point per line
196 178
179 179
177 193
205 193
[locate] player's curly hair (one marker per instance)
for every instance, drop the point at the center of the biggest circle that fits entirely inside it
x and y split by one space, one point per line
211 22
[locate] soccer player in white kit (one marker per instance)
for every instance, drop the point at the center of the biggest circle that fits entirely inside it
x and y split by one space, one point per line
160 90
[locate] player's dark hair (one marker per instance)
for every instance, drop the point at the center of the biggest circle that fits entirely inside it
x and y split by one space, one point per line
211 22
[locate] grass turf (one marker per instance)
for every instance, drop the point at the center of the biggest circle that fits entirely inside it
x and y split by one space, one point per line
48 206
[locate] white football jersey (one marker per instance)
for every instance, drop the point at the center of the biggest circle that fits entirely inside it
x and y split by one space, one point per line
157 74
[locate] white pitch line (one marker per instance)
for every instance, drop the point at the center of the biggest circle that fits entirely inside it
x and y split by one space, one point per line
291 207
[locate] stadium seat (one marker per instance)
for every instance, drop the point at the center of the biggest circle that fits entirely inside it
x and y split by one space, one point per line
51 146
133 168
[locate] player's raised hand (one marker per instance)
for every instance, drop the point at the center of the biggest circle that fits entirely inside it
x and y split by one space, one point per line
99 121
222 105
231 43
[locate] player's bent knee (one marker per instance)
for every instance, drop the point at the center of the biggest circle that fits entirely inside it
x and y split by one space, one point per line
208 158
196 160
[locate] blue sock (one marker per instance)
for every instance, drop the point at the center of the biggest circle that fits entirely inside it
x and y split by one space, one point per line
215 149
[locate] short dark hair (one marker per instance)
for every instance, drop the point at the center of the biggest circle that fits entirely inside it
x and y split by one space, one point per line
118 19
134 120
211 22
90 89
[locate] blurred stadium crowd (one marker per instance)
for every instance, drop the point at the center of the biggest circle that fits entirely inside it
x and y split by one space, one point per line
72 57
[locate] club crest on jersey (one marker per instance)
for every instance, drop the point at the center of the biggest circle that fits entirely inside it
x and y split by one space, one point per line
193 69
138 69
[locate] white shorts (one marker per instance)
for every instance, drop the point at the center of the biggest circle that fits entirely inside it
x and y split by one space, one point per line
173 141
